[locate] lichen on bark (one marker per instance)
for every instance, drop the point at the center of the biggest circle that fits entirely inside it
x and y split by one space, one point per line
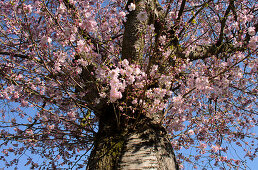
140 144
107 152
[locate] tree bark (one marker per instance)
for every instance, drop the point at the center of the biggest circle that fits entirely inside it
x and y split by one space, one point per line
136 146
132 46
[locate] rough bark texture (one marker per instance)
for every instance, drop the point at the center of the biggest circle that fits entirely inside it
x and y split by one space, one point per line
143 146
131 42
148 148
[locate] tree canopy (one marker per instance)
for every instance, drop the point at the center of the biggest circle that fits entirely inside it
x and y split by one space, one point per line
193 61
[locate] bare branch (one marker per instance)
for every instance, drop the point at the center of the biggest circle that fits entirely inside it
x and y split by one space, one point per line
180 13
206 51
14 54
223 22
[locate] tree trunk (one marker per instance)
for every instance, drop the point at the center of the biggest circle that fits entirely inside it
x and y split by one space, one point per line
148 148
141 145
132 47
132 144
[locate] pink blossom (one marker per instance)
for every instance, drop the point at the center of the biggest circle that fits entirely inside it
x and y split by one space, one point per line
24 103
153 70
202 83
142 16
137 71
223 158
191 132
131 79
202 145
253 42
83 62
61 9
67 31
102 94
178 100
134 101
251 31
128 71
29 132
89 24
16 95
115 94
80 43
19 77
37 80
250 17
201 94
71 114
122 14
29 119
72 37
151 27
125 63
114 73
45 40
58 157
215 148
27 8
5 95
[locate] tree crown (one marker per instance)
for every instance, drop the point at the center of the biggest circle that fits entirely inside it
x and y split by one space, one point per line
188 65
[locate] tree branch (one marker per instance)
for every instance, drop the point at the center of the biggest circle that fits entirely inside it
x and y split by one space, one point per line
203 52
181 10
223 22
194 16
14 54
99 48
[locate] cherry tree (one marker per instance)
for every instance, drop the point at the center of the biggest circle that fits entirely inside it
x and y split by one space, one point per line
129 81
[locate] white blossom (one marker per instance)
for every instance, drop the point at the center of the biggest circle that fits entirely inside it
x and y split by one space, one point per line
251 31
131 7
44 40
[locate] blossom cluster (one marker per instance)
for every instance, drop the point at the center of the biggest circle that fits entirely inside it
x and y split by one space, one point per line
119 78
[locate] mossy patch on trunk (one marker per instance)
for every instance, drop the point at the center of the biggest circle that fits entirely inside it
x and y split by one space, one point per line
107 151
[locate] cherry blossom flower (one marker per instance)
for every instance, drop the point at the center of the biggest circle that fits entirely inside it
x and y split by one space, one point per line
27 8
89 24
135 101
61 8
253 42
215 148
122 14
83 62
191 132
78 70
102 95
142 16
45 40
251 31
115 94
131 7
80 43
71 114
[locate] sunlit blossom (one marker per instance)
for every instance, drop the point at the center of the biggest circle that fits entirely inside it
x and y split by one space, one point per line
131 7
